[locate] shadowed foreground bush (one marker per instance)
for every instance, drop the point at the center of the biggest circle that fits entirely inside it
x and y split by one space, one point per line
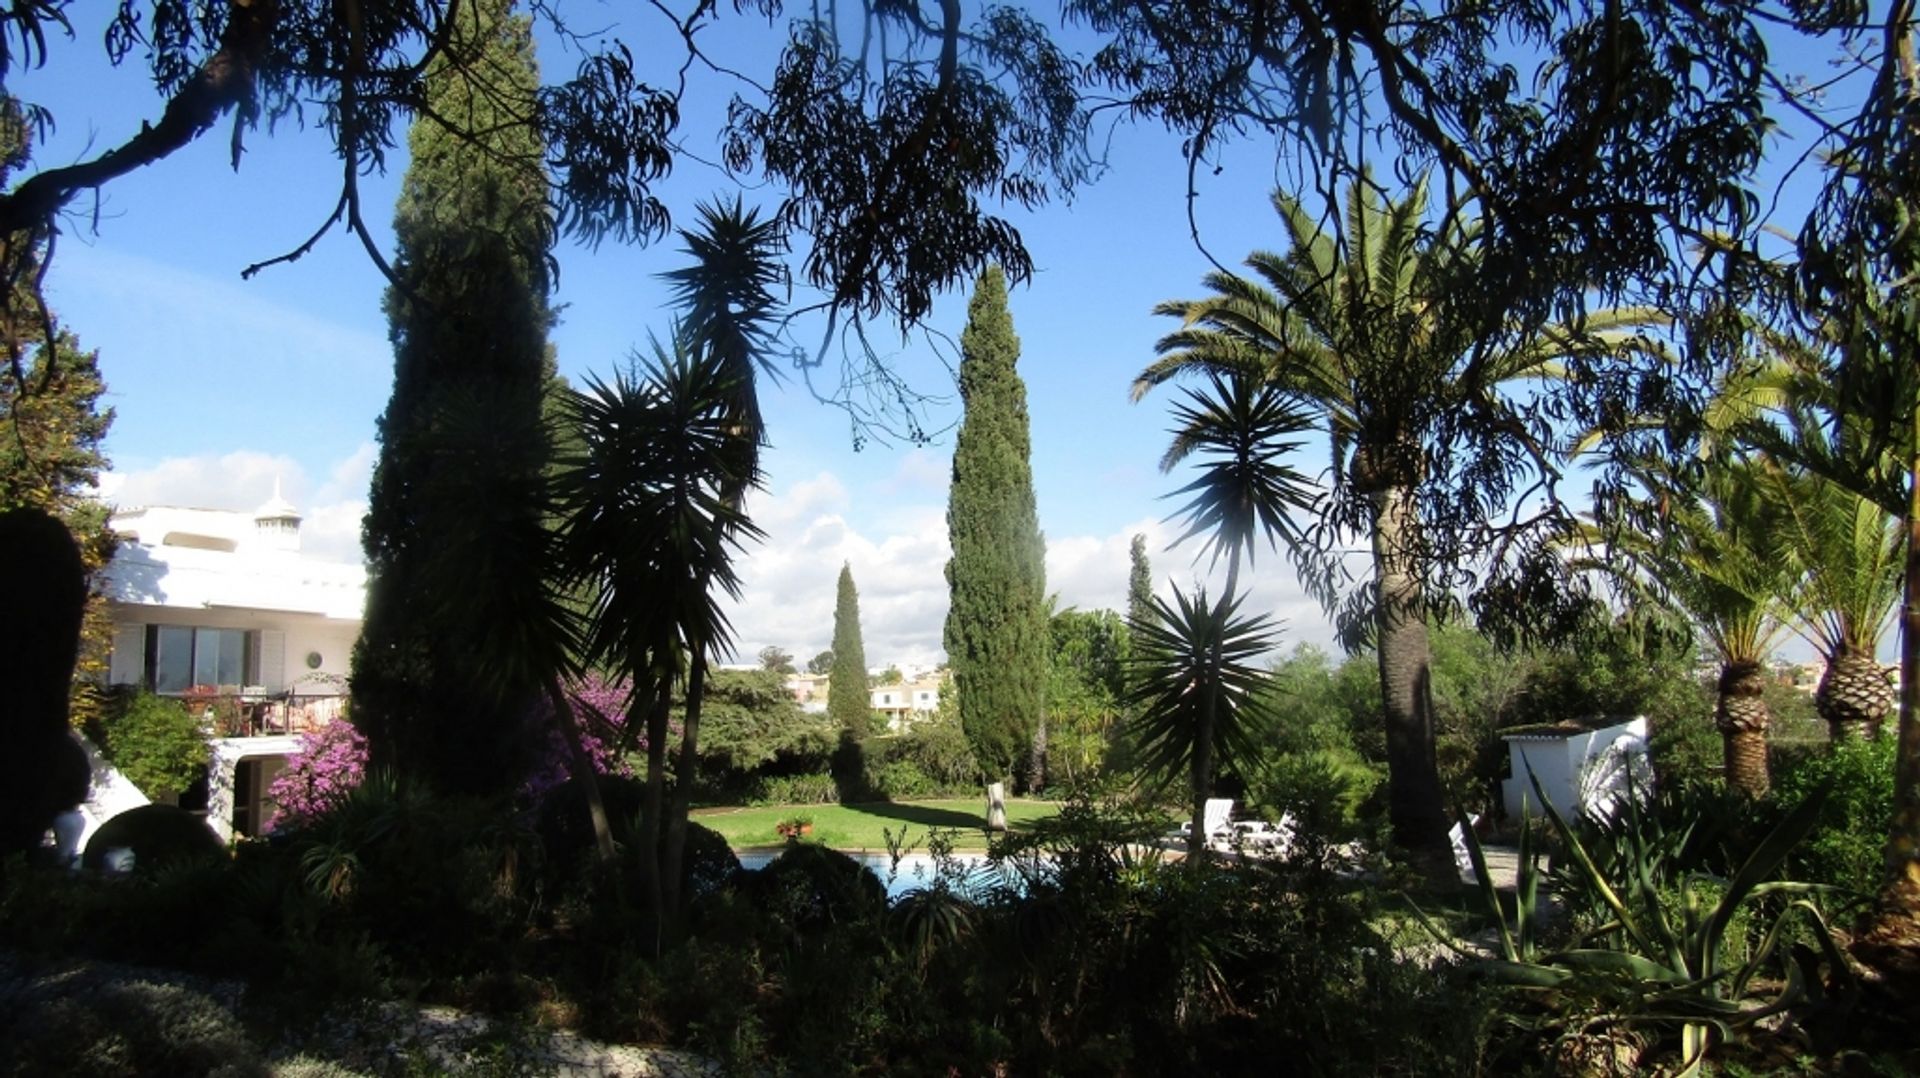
160 836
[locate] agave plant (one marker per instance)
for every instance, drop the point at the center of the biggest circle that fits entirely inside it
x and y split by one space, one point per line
1663 957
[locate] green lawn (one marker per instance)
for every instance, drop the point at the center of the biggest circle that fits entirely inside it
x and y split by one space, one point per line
859 827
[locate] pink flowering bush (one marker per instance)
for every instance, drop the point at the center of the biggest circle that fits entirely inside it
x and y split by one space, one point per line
332 761
329 764
600 714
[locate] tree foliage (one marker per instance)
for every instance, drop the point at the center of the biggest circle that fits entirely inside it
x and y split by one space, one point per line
1369 332
52 426
156 743
1086 686
456 534
847 699
996 631
749 719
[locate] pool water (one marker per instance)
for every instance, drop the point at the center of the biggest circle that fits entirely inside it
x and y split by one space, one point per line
915 869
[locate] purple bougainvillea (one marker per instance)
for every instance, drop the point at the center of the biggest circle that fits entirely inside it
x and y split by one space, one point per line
600 714
330 762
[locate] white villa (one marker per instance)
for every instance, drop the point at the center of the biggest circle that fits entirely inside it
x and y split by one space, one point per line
907 701
222 609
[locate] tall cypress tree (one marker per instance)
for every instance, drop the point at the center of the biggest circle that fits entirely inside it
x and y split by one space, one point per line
996 635
454 531
1139 583
848 703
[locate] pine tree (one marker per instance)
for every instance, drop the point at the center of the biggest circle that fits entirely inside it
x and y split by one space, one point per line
455 519
51 430
847 699
996 635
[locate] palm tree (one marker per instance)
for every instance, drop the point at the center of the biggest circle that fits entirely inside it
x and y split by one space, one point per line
1367 327
1194 689
1711 552
1850 554
1839 502
652 510
1187 683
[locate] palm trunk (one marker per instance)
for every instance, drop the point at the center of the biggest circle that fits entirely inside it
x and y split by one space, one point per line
1415 805
584 772
650 880
1741 714
1854 695
683 785
1202 780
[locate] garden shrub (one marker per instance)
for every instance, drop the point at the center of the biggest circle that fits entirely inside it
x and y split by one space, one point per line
566 836
814 789
1322 790
1684 747
810 887
329 765
441 884
1848 844
154 741
158 835
900 780
939 748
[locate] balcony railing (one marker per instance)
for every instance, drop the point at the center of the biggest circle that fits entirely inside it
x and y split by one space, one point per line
245 713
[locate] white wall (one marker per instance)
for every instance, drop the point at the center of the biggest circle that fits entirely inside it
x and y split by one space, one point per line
1579 773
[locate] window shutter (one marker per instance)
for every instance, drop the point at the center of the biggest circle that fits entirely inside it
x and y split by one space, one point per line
272 653
127 662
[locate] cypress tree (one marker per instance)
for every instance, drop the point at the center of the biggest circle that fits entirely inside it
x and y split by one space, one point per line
996 635
847 700
1139 584
455 519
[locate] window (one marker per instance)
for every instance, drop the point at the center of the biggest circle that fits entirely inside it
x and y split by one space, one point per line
180 657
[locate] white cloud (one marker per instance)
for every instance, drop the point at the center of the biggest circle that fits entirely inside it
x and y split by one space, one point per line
788 582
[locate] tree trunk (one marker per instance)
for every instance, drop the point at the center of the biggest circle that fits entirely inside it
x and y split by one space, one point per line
1037 760
1414 800
584 772
1889 940
1201 782
655 804
1741 714
1854 695
671 871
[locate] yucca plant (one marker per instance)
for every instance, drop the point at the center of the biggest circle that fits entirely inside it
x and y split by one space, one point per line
1662 957
1195 692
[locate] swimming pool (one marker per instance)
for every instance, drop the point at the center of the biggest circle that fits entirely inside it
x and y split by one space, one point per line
915 869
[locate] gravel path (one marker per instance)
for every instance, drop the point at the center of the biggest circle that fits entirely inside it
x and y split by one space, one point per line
73 1017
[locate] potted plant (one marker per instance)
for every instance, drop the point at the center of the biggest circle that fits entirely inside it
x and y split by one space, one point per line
793 827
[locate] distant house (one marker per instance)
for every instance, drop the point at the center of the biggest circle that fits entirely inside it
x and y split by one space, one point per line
809 691
907 701
222 610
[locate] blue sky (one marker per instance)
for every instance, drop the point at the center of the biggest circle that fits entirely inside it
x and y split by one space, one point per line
223 385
